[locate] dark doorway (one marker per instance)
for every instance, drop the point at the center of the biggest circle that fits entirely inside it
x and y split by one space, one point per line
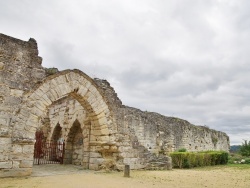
74 145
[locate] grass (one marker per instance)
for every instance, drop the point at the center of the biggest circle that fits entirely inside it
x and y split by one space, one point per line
239 166
220 167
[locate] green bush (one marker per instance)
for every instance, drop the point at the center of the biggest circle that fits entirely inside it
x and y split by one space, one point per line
245 148
182 150
247 161
196 159
200 159
178 159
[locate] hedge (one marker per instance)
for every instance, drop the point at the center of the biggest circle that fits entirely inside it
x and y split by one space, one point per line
193 159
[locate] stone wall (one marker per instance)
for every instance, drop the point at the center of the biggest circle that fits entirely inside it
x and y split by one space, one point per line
146 136
20 70
99 131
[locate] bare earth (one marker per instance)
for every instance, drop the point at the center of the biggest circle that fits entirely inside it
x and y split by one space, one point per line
69 176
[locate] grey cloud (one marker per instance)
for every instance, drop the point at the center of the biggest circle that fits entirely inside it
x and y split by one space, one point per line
188 59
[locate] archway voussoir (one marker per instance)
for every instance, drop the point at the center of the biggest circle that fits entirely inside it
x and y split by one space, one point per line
94 91
47 100
55 94
71 76
60 79
40 92
63 89
38 112
53 83
45 87
91 100
40 105
82 90
33 96
51 96
74 85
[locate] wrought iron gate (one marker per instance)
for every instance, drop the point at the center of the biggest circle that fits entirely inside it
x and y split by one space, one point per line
48 152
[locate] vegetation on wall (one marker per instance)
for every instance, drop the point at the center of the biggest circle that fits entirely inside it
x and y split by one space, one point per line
51 71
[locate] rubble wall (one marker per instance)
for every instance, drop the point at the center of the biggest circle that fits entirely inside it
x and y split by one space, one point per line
20 70
108 134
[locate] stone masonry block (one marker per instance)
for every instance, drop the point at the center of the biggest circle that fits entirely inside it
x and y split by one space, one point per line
29 149
61 79
21 156
26 164
51 96
105 138
6 164
102 121
17 148
82 90
45 87
95 155
5 141
105 131
46 100
16 164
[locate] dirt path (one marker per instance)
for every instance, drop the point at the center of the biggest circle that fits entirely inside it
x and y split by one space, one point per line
73 177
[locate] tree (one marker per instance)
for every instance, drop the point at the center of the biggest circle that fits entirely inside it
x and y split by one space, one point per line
245 148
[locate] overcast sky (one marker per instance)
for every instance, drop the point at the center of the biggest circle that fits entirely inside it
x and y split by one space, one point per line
182 58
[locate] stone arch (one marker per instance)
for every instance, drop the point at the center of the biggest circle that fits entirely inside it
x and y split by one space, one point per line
74 145
72 83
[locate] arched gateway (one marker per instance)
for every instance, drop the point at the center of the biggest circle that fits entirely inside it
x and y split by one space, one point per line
80 87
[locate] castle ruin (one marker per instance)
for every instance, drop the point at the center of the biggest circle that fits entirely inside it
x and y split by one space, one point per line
97 129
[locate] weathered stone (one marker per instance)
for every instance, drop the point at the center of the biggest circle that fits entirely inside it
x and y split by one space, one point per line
16 164
28 149
1 65
16 148
7 164
16 92
5 141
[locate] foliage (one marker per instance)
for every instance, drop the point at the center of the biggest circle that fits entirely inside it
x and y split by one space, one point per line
236 158
182 150
51 71
247 161
198 159
245 148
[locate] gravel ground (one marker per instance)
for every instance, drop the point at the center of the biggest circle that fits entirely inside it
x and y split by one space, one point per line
69 176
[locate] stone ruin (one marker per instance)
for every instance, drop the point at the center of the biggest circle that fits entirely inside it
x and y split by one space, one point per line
99 131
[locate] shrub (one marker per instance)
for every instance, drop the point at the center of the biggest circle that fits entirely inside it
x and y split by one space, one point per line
200 159
247 161
178 159
182 150
192 159
245 148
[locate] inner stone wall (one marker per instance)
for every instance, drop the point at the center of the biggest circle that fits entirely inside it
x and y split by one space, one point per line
65 115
